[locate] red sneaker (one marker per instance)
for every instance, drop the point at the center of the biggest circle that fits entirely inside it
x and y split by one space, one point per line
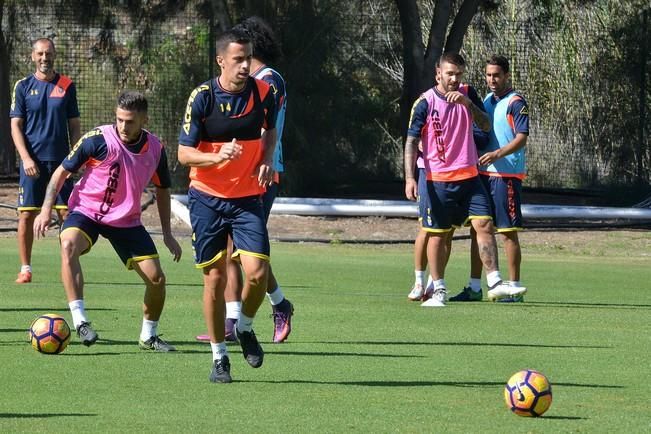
24 277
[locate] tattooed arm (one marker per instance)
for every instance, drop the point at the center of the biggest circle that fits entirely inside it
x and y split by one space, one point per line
42 221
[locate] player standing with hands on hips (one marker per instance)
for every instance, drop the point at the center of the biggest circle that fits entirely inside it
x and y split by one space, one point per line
44 122
227 138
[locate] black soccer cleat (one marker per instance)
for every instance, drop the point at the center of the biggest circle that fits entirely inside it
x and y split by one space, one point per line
251 349
221 371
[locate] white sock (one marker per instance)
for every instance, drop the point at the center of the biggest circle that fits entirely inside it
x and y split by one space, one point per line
493 278
276 296
439 284
244 323
148 329
218 350
515 284
418 277
26 269
475 284
78 312
430 282
233 309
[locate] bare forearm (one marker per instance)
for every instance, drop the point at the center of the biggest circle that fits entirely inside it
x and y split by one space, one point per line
53 187
164 209
269 138
480 118
189 156
74 130
19 138
411 146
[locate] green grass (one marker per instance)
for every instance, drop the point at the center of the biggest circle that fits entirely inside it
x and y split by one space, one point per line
361 357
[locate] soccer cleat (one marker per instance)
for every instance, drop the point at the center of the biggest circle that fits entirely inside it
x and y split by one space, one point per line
282 316
504 290
467 294
512 299
155 343
437 299
24 277
428 294
86 334
221 371
229 330
416 292
251 349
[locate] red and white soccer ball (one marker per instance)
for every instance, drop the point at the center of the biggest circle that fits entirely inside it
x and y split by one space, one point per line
49 334
528 393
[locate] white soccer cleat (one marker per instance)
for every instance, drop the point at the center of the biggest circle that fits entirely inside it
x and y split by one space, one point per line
504 290
416 292
437 300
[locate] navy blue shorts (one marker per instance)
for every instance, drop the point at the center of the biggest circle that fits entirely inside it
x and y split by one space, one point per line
506 194
424 203
31 191
131 244
268 199
214 218
453 203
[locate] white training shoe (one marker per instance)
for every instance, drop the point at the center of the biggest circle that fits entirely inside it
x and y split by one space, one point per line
416 292
437 300
503 290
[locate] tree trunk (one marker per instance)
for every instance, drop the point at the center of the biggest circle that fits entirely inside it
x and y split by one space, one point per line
7 149
419 63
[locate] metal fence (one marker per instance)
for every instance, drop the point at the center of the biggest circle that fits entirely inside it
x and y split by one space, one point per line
579 137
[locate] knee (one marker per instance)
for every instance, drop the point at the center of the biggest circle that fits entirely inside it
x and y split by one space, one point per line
68 249
258 276
158 280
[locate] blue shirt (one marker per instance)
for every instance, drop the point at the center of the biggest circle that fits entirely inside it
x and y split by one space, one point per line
46 107
201 103
92 149
277 83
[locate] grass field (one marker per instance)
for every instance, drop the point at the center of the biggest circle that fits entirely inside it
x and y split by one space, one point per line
361 357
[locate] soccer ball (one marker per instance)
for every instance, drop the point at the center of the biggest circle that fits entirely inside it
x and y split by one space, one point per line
528 393
49 334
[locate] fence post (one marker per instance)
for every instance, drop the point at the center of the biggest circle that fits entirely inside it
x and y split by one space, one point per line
641 151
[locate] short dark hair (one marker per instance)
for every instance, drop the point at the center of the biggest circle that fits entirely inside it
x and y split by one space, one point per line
265 45
44 40
500 61
236 35
453 58
132 101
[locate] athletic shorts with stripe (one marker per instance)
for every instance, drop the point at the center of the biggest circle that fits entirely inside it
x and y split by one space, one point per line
31 190
455 202
506 196
214 218
424 203
132 244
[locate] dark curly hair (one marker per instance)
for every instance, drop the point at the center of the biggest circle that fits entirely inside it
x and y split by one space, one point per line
266 47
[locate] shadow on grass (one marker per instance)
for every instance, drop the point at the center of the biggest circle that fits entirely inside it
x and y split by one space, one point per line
41 415
423 383
461 344
25 330
578 305
563 417
58 310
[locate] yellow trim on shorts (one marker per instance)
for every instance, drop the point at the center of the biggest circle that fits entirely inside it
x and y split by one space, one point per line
90 242
60 207
514 229
436 231
130 261
28 208
479 217
217 257
240 252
